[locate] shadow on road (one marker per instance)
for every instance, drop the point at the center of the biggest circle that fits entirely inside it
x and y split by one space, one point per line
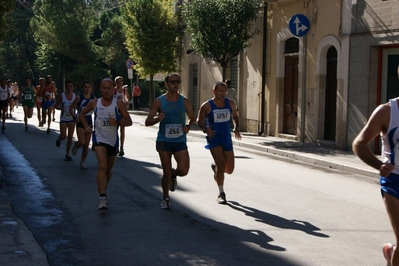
277 221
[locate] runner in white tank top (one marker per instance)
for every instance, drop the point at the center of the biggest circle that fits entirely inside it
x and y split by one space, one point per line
67 123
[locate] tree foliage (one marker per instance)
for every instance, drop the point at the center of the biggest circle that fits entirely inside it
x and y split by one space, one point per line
5 7
220 29
152 32
63 28
17 48
112 43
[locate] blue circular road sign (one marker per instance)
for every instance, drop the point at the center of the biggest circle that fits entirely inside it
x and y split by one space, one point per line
299 25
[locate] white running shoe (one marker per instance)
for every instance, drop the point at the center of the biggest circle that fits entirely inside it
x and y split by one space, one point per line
165 204
387 250
103 203
83 166
75 148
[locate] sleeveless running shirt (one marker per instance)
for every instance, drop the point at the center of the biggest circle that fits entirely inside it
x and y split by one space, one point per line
171 127
103 132
83 103
65 115
4 93
220 118
28 96
390 144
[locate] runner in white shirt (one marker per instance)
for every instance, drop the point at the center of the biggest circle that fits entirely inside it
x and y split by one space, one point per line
67 122
109 114
122 95
5 94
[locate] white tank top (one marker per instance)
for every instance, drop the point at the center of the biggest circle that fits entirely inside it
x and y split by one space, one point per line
103 132
65 115
3 93
390 144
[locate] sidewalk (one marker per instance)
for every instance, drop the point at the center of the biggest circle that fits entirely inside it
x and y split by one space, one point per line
18 246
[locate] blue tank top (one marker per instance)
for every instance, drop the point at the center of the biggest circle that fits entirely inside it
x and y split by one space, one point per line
220 118
83 103
171 127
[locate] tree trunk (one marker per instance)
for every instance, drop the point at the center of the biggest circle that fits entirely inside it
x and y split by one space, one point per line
224 69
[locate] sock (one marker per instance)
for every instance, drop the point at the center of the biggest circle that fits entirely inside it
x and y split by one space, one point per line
221 189
102 195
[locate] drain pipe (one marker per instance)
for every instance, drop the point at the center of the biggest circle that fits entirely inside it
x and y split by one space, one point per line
262 114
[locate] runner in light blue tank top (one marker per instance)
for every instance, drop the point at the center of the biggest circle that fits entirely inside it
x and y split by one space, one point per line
171 128
171 139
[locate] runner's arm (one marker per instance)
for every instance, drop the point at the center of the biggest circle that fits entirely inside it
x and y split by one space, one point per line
126 120
151 119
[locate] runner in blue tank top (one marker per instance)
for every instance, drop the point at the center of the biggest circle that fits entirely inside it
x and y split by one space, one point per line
384 121
77 106
171 140
215 118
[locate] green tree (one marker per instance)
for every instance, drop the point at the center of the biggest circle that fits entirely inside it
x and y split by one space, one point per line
5 7
151 30
17 48
220 29
63 28
112 43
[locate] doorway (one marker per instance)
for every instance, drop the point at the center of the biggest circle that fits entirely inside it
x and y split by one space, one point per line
193 87
290 95
330 107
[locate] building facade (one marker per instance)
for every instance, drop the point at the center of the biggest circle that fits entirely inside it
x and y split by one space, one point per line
320 87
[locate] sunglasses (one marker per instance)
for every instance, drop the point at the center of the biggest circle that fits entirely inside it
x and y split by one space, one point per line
174 81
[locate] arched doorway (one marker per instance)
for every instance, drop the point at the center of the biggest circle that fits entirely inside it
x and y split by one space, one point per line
330 109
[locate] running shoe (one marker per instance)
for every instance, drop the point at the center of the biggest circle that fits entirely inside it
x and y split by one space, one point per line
26 128
75 148
173 183
3 128
213 166
222 198
103 203
121 152
68 158
40 124
48 131
387 250
58 142
83 166
165 204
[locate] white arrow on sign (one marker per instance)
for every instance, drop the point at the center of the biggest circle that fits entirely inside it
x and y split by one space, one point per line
299 28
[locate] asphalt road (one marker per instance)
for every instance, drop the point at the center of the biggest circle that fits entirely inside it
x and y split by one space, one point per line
280 212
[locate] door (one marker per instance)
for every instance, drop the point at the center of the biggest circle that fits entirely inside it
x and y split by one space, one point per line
193 88
330 107
290 95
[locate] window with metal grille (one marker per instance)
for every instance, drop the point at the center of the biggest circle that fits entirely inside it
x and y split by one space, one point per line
291 46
